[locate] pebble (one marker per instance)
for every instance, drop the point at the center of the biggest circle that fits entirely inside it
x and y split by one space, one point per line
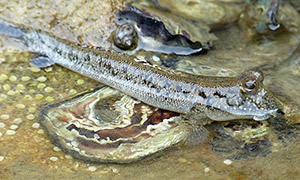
49 99
74 143
35 69
68 156
31 91
25 78
2 125
10 132
53 158
155 58
39 96
1 158
14 127
17 120
27 97
227 162
12 78
42 79
48 89
48 69
41 131
72 92
2 97
4 116
31 109
206 170
80 81
56 149
30 116
20 87
11 92
115 170
20 106
182 160
3 77
6 87
36 125
92 168
41 85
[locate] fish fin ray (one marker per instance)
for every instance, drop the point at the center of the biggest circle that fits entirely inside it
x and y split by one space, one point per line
41 61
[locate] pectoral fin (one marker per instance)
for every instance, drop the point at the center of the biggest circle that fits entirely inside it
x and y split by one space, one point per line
41 61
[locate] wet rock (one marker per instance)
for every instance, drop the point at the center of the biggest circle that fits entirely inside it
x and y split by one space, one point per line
212 12
270 16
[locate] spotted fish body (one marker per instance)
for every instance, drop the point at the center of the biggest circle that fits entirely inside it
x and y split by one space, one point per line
219 98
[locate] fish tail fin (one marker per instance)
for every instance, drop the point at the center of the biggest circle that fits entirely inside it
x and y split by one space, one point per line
11 30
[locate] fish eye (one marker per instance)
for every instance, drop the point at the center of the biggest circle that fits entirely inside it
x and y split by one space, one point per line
250 85
252 81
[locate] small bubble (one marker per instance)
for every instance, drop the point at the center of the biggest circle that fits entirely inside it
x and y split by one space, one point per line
30 116
10 132
4 116
25 78
36 125
12 78
42 79
53 158
35 69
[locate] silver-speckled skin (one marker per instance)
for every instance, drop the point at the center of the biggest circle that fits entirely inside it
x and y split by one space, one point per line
220 98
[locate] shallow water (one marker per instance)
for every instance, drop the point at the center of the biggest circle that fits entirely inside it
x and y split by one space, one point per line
27 152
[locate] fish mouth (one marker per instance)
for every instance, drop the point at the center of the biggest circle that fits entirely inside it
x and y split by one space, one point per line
273 113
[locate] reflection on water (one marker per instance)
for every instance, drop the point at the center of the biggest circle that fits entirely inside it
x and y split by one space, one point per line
26 151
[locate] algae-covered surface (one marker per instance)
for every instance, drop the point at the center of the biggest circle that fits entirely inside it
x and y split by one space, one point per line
27 152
